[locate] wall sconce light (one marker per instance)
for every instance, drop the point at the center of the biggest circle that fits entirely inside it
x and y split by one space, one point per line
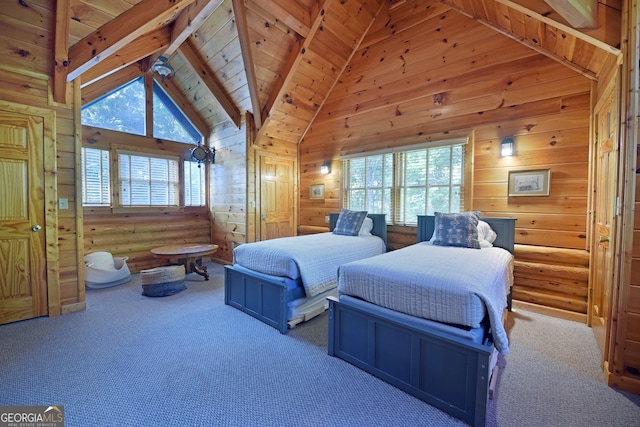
325 168
506 148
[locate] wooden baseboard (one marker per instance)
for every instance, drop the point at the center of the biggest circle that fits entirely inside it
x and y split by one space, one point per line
550 311
71 308
621 382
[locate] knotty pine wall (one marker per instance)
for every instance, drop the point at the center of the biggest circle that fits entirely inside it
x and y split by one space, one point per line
26 67
447 77
228 199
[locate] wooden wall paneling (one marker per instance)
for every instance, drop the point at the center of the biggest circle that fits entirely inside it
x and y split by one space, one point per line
228 206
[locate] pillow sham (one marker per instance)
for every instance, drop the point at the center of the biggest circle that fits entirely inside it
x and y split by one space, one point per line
367 226
349 222
456 229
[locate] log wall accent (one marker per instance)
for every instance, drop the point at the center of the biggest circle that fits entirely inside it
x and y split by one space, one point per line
448 83
134 235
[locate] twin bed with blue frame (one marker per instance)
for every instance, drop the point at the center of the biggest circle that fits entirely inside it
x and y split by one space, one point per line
281 301
446 365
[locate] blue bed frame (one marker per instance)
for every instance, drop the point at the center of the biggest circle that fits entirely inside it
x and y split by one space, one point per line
266 297
444 370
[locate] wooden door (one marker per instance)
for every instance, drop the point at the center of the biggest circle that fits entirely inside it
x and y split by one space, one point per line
605 179
276 197
23 286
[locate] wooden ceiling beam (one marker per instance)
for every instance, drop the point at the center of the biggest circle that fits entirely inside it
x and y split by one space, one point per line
291 66
138 49
117 33
578 13
61 50
555 24
247 59
186 23
207 77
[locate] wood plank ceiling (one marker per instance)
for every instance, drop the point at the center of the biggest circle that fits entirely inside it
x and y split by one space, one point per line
280 59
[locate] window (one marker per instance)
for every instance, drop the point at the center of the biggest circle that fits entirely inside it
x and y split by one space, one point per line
169 122
148 180
96 185
405 184
194 184
122 110
142 179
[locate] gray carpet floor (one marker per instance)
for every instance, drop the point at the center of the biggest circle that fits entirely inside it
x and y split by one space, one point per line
189 360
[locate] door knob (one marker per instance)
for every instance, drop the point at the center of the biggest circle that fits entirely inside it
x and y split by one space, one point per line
36 227
603 239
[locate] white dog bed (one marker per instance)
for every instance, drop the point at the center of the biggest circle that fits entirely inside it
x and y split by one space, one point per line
102 270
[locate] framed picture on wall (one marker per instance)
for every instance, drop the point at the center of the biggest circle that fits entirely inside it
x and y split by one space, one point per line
316 191
529 182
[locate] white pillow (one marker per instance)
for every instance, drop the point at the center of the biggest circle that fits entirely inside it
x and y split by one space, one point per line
486 235
367 226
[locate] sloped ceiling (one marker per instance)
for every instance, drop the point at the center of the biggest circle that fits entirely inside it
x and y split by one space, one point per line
280 59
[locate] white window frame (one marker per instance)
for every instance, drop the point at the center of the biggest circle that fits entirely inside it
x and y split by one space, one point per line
103 196
395 192
193 197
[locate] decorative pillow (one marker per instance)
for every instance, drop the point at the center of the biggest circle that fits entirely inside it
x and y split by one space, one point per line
486 235
349 222
367 226
456 229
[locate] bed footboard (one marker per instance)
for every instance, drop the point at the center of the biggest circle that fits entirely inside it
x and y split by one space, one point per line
263 299
441 369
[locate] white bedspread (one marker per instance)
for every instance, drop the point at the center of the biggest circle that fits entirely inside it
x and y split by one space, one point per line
445 284
314 258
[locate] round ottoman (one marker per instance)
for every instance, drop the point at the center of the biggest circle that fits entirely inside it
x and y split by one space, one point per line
162 281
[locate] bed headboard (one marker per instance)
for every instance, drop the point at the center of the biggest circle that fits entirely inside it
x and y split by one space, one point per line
505 228
379 224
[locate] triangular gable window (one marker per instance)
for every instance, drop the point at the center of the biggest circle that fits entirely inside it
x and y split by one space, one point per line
124 110
169 122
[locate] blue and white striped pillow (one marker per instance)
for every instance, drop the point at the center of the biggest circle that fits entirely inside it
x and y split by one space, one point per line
349 222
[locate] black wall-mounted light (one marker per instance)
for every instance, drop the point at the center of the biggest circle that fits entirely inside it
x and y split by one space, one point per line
325 168
203 154
507 147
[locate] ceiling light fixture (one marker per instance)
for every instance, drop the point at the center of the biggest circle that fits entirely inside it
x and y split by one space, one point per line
162 67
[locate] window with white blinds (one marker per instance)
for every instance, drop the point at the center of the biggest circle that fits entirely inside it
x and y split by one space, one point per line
96 184
194 184
148 180
404 184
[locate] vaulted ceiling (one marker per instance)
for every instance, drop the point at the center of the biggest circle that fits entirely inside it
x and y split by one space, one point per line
280 59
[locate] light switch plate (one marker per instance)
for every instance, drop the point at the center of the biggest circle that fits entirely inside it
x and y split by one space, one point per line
63 203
